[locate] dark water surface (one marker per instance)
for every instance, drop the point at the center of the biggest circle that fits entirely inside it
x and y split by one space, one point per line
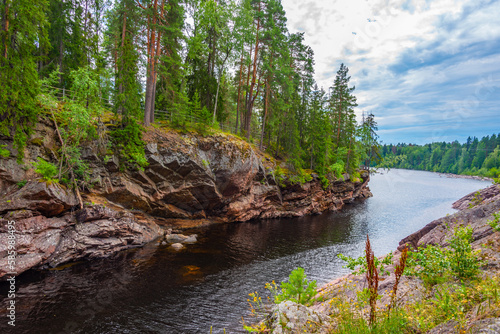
155 290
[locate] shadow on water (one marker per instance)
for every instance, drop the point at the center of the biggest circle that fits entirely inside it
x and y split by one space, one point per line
156 290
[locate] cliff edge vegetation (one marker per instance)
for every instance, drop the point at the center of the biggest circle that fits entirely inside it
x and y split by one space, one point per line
115 134
71 202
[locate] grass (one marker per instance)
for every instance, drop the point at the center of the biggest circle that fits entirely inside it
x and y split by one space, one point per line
449 301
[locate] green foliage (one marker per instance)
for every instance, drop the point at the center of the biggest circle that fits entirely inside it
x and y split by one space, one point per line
85 87
279 176
349 322
429 264
495 223
447 301
297 288
364 296
301 176
325 183
3 152
451 301
22 183
123 44
358 265
476 200
92 51
474 157
21 38
46 169
464 262
129 144
337 169
435 265
355 176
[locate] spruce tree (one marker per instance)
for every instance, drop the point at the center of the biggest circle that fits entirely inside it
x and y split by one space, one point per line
22 34
341 103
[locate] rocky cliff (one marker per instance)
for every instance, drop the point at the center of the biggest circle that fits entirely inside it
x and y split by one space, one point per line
190 180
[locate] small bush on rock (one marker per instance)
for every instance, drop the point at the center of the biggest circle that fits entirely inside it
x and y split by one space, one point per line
46 169
435 265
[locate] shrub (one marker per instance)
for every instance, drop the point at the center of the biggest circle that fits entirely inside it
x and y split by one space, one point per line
297 289
301 177
46 169
435 265
476 200
325 183
279 176
359 265
464 262
356 176
3 152
128 141
429 264
495 223
337 169
22 183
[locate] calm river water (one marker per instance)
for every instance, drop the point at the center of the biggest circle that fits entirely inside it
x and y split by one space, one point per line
155 290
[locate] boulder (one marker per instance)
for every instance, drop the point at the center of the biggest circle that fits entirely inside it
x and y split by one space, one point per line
176 238
177 246
290 318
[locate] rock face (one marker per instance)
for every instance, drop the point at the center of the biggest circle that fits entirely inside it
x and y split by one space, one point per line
439 231
486 195
217 178
47 240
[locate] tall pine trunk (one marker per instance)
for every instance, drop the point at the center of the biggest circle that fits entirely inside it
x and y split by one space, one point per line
244 114
254 80
266 109
239 90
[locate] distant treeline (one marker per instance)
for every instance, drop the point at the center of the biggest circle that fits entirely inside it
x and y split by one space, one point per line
474 157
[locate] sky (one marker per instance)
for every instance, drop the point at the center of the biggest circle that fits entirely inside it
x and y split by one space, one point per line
428 70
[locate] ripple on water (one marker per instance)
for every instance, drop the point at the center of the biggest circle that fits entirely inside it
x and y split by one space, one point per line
153 290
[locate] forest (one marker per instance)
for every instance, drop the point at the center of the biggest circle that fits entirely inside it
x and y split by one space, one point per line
474 157
228 65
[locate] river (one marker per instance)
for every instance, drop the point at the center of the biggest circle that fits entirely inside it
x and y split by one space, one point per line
156 290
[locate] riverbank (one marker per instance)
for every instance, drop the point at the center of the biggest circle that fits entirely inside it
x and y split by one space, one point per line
207 283
191 180
449 305
471 177
448 175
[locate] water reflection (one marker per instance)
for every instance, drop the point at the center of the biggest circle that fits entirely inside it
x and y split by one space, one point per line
156 290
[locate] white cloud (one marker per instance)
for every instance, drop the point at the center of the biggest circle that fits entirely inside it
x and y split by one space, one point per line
410 58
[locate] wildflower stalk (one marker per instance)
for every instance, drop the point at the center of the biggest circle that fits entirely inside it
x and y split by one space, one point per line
372 278
398 272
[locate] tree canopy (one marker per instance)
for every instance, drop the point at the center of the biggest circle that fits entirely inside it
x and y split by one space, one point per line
474 157
227 64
